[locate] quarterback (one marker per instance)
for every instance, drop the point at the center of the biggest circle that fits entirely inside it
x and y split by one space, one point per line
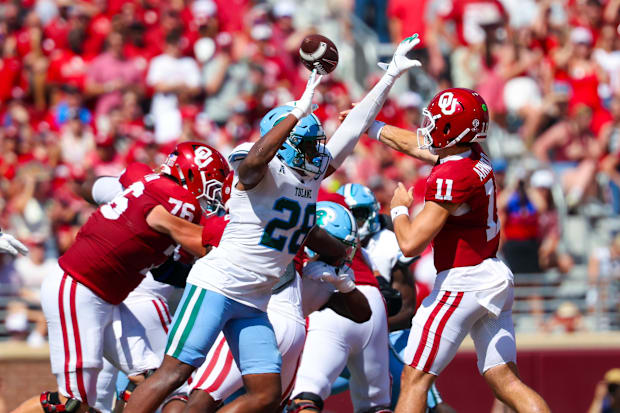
473 291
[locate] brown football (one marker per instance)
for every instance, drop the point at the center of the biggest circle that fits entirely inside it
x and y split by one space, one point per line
318 52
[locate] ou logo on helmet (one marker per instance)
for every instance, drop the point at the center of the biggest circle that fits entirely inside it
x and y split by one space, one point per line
325 216
203 156
447 102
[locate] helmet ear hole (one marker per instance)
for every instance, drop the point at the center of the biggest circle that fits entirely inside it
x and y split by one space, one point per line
190 175
446 129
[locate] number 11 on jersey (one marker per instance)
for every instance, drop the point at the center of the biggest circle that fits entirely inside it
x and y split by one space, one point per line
492 225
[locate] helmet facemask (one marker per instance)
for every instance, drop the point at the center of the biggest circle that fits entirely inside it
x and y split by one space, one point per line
295 152
425 139
211 198
366 219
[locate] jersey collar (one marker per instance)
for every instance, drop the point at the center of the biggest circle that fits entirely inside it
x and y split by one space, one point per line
456 157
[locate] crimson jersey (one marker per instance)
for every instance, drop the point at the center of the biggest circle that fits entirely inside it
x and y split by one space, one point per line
213 229
362 271
116 246
471 234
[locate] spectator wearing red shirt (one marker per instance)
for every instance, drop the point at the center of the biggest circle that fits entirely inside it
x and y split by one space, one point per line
68 66
472 19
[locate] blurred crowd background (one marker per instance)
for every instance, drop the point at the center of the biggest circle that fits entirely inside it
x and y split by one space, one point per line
87 87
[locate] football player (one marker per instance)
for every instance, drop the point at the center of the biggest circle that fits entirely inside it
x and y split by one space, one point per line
382 247
119 243
473 291
218 378
148 315
334 342
272 209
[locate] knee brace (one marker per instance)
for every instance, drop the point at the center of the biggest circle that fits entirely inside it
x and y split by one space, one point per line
50 402
305 401
131 386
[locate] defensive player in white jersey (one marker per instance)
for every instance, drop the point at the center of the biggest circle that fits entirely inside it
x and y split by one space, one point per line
218 378
334 342
473 291
272 209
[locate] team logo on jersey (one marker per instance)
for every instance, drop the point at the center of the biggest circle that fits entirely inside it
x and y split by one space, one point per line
447 103
324 216
203 156
282 171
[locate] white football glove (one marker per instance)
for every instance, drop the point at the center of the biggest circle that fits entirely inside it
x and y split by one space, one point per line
316 270
340 277
400 63
304 106
10 245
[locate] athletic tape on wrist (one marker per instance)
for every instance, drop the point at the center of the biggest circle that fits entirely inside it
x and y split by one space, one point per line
399 210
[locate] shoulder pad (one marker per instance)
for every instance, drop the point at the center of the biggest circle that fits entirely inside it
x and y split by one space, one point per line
240 152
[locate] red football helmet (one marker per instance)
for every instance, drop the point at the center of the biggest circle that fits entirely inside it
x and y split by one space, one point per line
201 170
454 115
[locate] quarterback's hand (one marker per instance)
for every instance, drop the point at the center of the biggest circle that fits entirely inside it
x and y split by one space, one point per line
10 245
304 106
402 196
400 63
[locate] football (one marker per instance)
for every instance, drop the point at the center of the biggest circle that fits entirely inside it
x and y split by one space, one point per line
320 53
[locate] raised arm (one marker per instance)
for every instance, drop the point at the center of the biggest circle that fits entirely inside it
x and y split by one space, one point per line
404 141
253 168
361 117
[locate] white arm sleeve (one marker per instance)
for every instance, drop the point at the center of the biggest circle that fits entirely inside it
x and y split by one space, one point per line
105 189
358 121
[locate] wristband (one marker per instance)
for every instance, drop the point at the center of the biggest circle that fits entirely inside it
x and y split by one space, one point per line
374 131
297 112
399 210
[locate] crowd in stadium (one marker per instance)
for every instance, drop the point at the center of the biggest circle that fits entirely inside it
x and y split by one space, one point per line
88 86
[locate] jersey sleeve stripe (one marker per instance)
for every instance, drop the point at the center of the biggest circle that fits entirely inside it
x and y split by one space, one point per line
237 156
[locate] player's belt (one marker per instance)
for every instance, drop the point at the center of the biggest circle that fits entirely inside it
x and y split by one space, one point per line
286 279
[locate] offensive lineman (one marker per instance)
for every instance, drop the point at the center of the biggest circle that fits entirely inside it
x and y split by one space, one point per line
473 291
137 230
272 210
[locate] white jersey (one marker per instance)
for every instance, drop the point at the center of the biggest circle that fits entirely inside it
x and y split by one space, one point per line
268 224
384 252
287 303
